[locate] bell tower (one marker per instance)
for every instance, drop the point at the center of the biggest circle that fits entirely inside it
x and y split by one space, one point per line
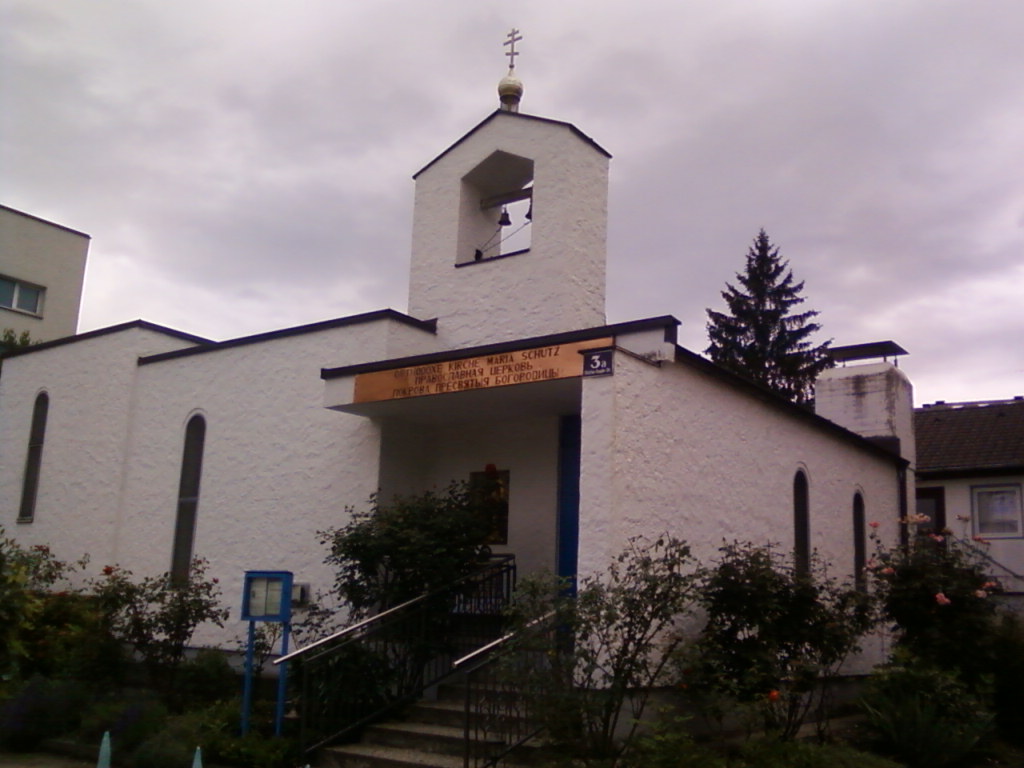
509 228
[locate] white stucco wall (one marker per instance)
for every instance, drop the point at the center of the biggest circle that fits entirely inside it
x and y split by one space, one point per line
46 255
669 449
90 383
419 457
559 285
277 466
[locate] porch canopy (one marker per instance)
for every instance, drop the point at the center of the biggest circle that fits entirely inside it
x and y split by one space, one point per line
534 376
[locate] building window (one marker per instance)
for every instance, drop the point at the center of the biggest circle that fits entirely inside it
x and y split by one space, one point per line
34 459
23 297
489 492
931 503
997 511
801 525
859 544
188 499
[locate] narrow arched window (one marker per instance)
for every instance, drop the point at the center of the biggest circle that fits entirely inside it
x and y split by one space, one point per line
801 524
188 499
859 544
34 459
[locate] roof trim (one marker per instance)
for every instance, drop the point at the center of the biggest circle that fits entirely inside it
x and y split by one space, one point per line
516 116
960 473
771 399
430 326
850 352
667 322
45 221
141 324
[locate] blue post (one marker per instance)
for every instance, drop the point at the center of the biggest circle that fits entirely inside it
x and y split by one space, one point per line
197 759
104 758
282 682
247 689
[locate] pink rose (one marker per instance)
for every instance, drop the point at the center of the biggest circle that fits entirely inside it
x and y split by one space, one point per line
941 599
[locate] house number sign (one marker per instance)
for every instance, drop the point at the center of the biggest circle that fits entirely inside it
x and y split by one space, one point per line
598 362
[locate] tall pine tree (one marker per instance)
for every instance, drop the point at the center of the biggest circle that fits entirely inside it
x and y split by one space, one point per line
759 338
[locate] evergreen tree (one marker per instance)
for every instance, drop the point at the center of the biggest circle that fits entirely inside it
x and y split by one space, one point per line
759 338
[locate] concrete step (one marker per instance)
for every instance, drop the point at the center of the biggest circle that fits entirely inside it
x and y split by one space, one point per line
424 737
378 756
441 712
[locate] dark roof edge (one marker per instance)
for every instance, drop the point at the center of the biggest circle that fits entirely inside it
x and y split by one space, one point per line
430 326
765 395
518 116
667 322
46 221
959 473
143 324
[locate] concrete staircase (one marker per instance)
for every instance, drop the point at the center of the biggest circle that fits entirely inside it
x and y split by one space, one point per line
430 736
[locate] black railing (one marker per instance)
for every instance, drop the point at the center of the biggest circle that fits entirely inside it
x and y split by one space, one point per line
368 670
502 692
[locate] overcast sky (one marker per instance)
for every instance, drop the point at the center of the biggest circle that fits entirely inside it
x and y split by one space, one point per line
245 166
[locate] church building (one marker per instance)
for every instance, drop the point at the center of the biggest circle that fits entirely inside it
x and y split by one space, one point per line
144 446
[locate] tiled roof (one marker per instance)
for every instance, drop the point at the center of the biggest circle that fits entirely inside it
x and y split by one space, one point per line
965 437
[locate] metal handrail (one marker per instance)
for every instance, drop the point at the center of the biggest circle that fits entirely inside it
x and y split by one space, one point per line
398 653
498 716
384 614
484 649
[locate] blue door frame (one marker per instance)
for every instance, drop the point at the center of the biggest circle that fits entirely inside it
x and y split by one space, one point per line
569 446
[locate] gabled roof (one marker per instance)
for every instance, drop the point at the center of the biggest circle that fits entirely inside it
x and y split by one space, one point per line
518 116
429 326
143 324
963 439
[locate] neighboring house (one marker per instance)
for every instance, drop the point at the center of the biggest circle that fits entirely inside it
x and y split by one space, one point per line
42 267
970 475
144 446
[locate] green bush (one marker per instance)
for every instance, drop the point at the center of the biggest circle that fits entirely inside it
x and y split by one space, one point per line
611 646
937 594
164 750
70 638
41 709
206 679
390 553
925 716
771 753
774 637
670 745
1008 678
25 575
156 616
130 719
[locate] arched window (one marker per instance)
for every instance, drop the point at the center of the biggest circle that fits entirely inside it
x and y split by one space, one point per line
34 459
801 524
859 544
188 499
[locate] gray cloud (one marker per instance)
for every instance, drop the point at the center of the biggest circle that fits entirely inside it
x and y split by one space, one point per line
246 166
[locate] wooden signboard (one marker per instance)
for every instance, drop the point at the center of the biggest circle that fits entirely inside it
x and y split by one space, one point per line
521 366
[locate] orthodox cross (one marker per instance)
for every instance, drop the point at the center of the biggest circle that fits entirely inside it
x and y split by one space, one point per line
513 38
